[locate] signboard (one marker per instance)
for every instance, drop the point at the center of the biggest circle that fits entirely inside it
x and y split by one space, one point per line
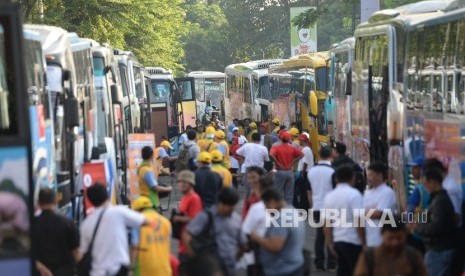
95 172
367 8
303 41
135 144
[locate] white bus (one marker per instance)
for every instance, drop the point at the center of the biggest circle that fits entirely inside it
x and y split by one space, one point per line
247 92
209 91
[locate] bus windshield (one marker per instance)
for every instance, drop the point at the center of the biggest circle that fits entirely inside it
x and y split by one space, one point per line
161 91
264 91
322 79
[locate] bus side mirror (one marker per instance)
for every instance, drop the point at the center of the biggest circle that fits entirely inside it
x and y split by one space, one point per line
72 112
114 94
349 83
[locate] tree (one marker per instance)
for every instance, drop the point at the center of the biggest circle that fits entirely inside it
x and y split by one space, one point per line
206 42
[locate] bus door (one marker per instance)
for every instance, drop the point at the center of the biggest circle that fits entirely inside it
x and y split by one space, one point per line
15 149
188 105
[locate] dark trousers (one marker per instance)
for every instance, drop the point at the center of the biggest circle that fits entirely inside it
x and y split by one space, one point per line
123 271
348 256
320 247
255 270
234 177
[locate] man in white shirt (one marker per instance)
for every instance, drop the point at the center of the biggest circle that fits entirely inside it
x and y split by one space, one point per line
110 251
255 222
345 203
378 199
320 179
254 155
307 162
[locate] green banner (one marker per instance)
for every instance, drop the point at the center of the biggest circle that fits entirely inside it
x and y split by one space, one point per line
303 41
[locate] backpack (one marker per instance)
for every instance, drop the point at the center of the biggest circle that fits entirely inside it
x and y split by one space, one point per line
183 161
412 258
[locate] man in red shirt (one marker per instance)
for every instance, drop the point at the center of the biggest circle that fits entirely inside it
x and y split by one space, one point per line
189 207
285 156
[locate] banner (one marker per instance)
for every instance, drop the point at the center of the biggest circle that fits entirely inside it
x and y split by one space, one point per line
303 41
95 172
135 144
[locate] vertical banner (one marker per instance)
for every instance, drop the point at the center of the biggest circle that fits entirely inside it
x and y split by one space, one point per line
303 41
95 172
135 144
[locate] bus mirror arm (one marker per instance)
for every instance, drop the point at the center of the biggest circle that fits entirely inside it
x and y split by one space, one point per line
115 97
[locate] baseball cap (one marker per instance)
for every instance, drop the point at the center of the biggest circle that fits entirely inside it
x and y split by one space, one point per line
235 129
253 125
284 135
217 156
165 144
263 125
303 137
417 162
186 176
141 203
205 157
275 121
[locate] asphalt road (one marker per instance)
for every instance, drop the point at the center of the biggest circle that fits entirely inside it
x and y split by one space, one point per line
171 202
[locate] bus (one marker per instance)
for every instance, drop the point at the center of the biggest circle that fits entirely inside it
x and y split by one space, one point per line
408 88
340 70
209 91
16 159
247 91
135 99
40 113
300 84
111 132
67 110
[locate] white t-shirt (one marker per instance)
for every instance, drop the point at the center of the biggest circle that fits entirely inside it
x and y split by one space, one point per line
380 198
307 159
320 178
254 155
347 198
254 222
110 250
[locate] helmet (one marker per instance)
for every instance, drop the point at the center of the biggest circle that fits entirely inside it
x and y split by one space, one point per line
205 157
165 144
210 130
219 134
217 156
253 125
294 131
141 203
275 121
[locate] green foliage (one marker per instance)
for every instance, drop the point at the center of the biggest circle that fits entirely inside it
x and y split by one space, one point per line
152 29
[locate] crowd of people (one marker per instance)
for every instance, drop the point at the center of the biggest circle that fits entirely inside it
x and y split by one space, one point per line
275 169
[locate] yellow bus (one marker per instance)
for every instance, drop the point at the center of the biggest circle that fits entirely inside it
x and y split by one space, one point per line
299 89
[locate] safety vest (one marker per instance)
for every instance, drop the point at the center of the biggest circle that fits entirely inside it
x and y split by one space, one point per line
144 188
224 173
207 145
153 255
223 144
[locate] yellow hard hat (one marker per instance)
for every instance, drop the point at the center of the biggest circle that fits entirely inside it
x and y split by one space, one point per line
275 121
205 157
294 131
210 130
253 125
217 156
166 144
220 134
141 203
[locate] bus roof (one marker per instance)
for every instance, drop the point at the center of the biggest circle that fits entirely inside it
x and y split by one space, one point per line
313 60
31 35
205 74
258 68
159 73
411 14
77 43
